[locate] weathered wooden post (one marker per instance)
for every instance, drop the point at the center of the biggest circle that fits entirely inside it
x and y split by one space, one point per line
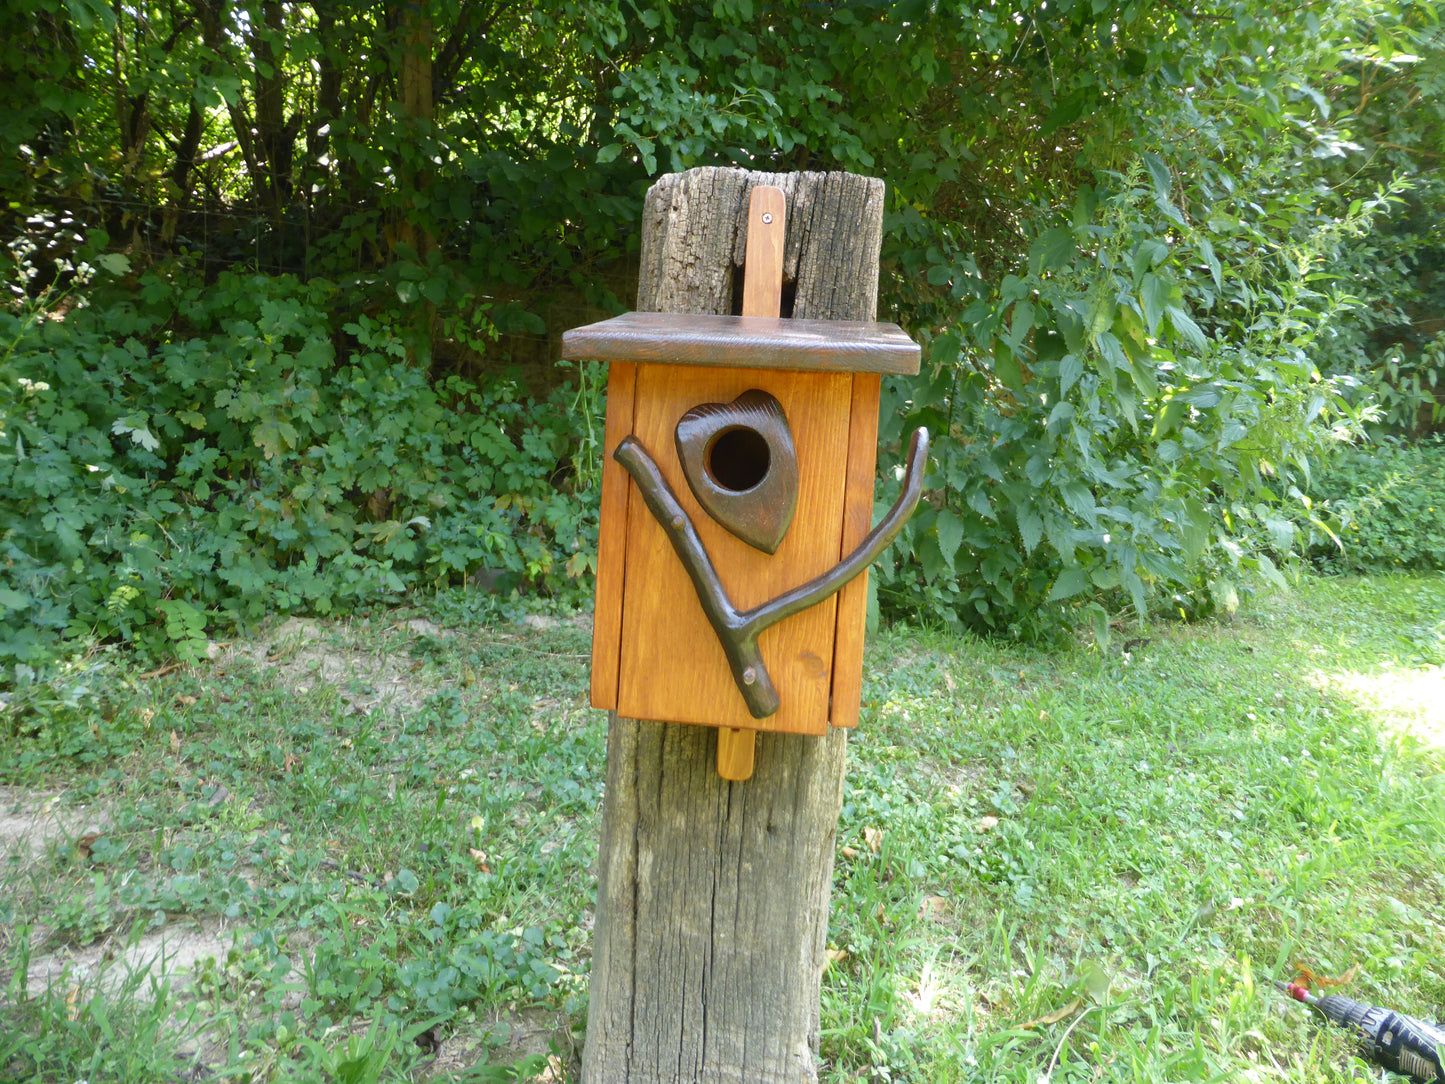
713 901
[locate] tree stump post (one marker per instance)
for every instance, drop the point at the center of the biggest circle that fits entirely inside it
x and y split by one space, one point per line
713 897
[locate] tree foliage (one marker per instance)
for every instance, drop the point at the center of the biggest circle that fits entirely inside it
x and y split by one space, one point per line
1160 255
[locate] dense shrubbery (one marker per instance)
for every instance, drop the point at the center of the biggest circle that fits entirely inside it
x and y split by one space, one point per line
1389 504
1131 422
174 455
1147 249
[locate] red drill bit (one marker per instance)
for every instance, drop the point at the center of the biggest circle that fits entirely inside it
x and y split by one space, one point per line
1402 1044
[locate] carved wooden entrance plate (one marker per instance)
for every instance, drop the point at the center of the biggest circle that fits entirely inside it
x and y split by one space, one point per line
742 466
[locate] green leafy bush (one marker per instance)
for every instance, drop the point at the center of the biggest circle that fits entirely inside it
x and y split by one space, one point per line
1410 387
1389 502
178 455
1124 422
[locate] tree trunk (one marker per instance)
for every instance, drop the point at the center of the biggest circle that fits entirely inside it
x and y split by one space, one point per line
274 142
712 911
210 13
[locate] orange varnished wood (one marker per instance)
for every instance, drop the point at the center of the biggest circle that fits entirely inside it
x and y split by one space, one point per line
672 666
857 521
763 259
736 752
748 341
607 613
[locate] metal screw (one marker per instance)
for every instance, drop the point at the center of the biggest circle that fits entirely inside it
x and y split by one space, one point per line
677 523
749 676
767 218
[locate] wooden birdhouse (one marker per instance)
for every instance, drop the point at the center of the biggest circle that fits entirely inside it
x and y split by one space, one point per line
737 501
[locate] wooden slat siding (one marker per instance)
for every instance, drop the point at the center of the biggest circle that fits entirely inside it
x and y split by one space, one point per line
755 342
672 665
611 544
857 522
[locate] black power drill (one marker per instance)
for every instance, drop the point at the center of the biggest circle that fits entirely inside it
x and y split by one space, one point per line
1402 1044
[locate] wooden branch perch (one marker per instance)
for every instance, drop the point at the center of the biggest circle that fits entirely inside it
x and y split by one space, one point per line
738 630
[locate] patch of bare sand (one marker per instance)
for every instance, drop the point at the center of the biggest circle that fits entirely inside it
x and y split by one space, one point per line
170 953
306 653
529 1033
32 820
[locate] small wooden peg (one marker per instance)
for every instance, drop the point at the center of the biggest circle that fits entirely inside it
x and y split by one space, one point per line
735 753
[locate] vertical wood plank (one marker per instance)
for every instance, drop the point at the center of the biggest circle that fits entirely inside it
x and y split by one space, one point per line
857 522
611 546
767 230
762 296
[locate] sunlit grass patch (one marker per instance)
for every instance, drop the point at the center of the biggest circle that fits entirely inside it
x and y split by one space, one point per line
1178 822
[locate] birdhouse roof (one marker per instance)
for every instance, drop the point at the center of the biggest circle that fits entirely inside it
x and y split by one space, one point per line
753 342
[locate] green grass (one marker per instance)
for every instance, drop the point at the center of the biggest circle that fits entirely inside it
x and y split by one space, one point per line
1082 865
1149 834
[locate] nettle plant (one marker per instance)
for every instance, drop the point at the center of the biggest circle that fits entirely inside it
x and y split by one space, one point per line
1128 420
1389 501
177 455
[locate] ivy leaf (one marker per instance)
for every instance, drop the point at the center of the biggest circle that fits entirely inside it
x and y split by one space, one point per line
137 431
